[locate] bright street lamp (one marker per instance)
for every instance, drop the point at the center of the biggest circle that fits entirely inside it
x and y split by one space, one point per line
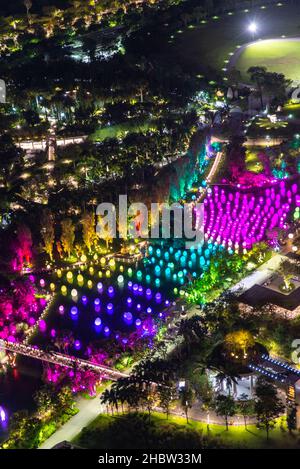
253 28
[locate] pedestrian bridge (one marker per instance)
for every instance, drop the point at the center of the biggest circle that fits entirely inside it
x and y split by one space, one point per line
61 359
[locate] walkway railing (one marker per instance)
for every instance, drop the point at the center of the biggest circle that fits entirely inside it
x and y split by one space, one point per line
60 359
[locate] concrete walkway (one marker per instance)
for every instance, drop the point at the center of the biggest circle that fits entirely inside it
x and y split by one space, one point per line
259 276
89 409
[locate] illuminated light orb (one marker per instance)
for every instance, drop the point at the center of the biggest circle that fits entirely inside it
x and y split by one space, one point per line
135 288
70 276
53 333
110 308
108 273
95 257
129 284
74 293
42 327
77 345
64 289
52 286
149 310
111 291
106 331
3 417
74 310
91 270
158 297
59 273
61 309
42 283
129 271
121 268
120 279
100 274
83 258
80 279
112 263
90 284
100 286
157 282
129 301
138 323
98 322
140 290
139 274
138 307
84 300
167 303
148 292
128 317
97 302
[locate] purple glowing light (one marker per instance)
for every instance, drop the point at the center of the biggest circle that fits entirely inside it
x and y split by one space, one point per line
97 302
129 301
128 317
98 322
158 297
74 311
110 308
84 300
138 323
77 345
61 309
3 417
149 310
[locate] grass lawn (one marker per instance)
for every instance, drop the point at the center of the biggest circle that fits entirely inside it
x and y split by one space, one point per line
209 45
120 130
131 431
253 163
280 56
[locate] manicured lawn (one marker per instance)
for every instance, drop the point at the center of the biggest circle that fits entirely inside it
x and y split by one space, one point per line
208 45
120 130
280 56
132 431
253 163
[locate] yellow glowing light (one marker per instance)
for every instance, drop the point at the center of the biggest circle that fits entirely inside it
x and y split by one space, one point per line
70 276
91 270
108 273
80 279
64 289
59 273
90 284
102 261
52 286
83 258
